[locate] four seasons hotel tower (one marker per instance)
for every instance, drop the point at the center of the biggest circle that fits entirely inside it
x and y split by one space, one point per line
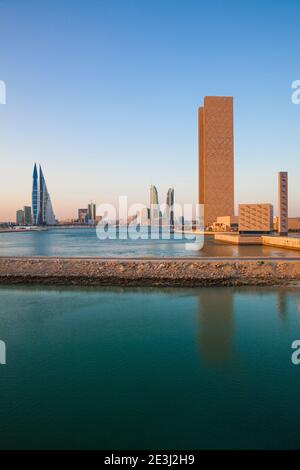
216 162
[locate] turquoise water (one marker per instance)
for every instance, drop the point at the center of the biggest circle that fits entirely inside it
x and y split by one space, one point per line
172 368
84 242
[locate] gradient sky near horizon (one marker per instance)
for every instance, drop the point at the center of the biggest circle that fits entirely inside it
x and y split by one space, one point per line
104 94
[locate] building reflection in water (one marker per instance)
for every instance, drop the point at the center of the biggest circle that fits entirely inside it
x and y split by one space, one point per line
216 325
216 318
282 304
282 301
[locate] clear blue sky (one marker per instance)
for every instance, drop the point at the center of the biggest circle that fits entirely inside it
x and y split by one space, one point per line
105 94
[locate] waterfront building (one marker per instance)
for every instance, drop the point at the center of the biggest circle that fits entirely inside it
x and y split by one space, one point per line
41 202
92 213
170 206
282 203
82 216
153 195
63 222
226 223
133 218
154 204
215 157
35 196
181 222
144 217
20 217
27 215
46 215
294 224
255 218
170 197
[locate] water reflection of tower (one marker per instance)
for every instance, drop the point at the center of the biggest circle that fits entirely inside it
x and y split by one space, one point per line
282 304
216 325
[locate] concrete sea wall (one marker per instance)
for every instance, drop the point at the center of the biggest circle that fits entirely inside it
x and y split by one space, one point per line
237 239
135 272
291 243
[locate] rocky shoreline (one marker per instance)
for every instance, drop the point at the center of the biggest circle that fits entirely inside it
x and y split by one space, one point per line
171 272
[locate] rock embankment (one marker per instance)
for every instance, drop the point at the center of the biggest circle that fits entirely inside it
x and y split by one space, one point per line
122 272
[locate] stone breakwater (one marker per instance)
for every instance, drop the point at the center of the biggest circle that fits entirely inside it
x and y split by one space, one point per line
171 272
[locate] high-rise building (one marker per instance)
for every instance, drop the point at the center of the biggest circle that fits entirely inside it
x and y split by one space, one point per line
215 156
82 216
153 195
283 203
41 202
46 214
35 196
92 213
20 217
170 205
144 216
170 197
154 203
27 215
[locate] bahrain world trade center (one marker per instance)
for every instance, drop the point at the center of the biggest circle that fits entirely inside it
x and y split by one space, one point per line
41 203
215 156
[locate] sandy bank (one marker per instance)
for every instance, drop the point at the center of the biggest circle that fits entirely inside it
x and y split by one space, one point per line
175 272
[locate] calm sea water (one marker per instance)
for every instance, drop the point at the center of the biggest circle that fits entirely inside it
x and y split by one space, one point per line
127 369
84 242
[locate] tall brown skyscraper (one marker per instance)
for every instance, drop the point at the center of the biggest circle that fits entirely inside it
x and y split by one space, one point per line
283 203
216 162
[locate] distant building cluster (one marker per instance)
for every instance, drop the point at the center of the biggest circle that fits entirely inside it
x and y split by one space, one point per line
216 178
24 216
215 184
155 214
87 216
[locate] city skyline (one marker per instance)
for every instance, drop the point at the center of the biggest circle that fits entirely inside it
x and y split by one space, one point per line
138 89
149 229
216 182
